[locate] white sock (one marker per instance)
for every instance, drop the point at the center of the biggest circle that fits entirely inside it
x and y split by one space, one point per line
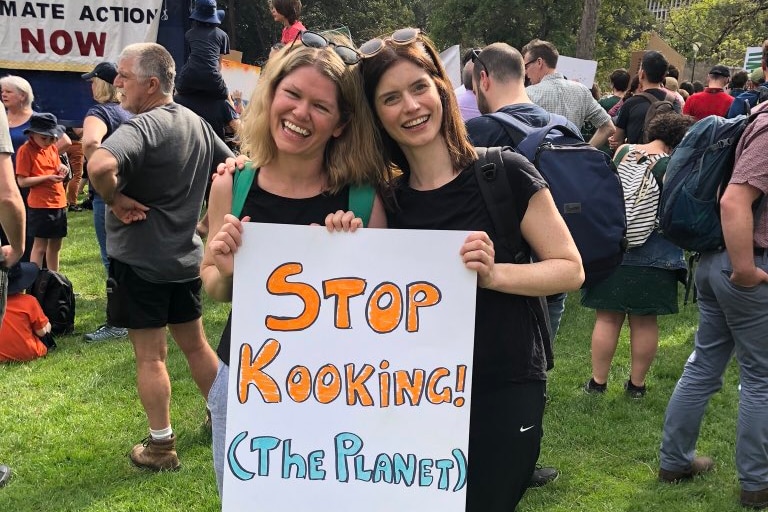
162 434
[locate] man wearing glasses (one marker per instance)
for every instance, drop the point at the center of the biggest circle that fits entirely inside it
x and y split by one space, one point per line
551 91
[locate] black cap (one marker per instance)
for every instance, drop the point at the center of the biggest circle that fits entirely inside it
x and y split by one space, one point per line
107 71
44 124
720 70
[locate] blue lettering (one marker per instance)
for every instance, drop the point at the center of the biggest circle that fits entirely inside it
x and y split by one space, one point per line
346 445
425 472
360 472
382 468
264 445
461 461
404 470
315 463
293 459
234 465
443 465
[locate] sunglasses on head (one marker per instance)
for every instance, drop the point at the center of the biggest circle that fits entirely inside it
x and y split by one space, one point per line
476 58
314 40
399 37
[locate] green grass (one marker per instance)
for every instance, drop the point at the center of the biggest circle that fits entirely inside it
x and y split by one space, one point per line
67 421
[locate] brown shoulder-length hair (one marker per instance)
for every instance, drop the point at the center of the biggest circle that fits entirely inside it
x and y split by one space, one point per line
422 53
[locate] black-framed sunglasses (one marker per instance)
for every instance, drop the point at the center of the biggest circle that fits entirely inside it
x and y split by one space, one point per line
348 55
530 62
399 37
476 58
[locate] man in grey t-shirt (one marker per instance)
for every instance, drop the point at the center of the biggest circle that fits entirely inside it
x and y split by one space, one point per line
152 172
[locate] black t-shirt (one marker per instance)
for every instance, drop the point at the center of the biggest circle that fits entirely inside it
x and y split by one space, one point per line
262 206
218 112
508 347
631 117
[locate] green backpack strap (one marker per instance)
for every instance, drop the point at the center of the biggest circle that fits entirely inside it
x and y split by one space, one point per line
621 154
241 186
361 201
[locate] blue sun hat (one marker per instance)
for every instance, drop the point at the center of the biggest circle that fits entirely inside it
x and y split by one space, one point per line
205 12
44 124
21 276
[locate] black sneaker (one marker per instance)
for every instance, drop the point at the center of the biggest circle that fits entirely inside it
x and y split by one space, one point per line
634 392
543 476
5 474
594 388
86 205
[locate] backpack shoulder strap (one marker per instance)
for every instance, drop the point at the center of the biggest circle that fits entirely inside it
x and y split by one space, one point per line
361 201
618 157
243 180
648 96
659 168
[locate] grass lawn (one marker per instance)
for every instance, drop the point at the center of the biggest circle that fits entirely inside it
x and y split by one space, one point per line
67 421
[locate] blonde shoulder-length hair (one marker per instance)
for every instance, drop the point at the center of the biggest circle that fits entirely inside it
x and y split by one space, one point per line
354 157
105 92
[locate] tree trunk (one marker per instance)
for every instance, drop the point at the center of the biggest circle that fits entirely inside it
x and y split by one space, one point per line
232 24
585 47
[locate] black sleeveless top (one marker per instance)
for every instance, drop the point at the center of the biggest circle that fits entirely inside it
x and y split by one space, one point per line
262 206
508 346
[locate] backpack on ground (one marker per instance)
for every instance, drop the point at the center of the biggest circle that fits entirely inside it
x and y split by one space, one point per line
642 192
656 107
585 186
360 197
497 194
699 169
57 299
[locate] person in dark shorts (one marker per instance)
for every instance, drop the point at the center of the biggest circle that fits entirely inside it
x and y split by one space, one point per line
152 172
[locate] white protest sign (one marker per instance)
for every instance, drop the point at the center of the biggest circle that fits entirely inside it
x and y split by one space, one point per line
241 80
578 70
350 371
74 35
753 58
451 59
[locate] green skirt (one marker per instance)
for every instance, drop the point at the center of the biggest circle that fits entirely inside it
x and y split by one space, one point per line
635 291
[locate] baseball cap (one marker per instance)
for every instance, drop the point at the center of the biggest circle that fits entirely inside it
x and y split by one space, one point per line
720 70
107 71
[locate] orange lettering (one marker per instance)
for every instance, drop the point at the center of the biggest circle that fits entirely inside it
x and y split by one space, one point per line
299 383
420 295
327 384
343 289
384 319
434 396
356 388
412 386
250 372
277 285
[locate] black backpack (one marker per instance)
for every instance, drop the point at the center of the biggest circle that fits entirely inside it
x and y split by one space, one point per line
656 107
496 190
55 294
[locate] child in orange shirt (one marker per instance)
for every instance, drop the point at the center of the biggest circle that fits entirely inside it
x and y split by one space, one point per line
24 322
39 167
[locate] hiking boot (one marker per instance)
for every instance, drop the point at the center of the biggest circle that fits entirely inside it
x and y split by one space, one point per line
634 392
698 466
105 333
593 388
543 476
5 474
157 455
755 499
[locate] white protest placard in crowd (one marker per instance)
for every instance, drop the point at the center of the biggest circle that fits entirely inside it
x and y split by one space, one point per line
350 371
74 35
241 80
753 58
578 70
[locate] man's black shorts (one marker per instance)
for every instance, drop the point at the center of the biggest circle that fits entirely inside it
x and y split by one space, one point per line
135 303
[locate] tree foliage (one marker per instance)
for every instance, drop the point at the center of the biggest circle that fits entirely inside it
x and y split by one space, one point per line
723 28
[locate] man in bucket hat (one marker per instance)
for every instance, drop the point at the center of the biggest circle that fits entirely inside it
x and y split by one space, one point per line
713 100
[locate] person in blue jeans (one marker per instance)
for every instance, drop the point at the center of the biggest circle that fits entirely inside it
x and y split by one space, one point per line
733 298
100 121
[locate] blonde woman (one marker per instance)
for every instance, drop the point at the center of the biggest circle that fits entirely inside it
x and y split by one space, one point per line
310 135
100 121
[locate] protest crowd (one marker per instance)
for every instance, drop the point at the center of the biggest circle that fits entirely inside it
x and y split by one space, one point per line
163 153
